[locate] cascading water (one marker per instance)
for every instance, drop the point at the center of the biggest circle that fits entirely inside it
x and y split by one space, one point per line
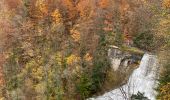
142 80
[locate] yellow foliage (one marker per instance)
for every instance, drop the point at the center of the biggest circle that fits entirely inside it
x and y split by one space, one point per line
75 35
37 72
34 69
58 58
165 92
104 3
88 57
72 59
84 8
164 25
165 22
42 6
40 88
57 18
144 1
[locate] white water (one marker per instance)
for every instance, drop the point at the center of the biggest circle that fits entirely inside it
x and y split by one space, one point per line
143 79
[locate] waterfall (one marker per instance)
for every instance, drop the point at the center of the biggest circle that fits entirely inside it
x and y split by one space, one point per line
143 80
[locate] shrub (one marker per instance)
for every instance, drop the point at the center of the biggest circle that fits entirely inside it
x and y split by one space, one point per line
138 96
164 84
84 86
144 41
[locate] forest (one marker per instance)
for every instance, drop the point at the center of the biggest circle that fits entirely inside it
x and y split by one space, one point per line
58 49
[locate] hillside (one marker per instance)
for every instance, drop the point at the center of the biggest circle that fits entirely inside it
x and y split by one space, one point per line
58 49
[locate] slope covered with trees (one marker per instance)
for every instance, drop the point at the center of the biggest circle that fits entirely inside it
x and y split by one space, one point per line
57 49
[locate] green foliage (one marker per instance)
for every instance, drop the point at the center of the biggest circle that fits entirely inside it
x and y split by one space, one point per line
52 45
132 50
118 39
165 77
92 82
144 41
163 28
101 63
138 96
99 73
84 87
12 68
164 84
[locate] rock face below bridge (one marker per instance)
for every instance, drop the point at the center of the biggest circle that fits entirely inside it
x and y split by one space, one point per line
123 62
122 59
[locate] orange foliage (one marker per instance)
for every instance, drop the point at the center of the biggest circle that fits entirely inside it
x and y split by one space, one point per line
88 57
166 3
84 8
71 8
57 18
124 7
13 4
75 35
104 3
37 9
42 7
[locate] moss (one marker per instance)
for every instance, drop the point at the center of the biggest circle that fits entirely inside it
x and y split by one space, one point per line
132 50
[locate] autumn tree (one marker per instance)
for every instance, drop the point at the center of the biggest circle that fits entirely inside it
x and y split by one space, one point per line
57 49
163 31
